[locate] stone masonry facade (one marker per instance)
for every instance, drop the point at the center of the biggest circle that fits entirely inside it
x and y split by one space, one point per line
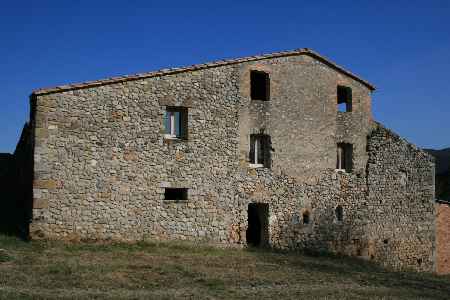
103 162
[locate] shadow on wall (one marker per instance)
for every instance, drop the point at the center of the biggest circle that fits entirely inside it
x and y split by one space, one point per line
442 172
16 175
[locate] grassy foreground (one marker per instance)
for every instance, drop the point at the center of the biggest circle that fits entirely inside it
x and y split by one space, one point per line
55 270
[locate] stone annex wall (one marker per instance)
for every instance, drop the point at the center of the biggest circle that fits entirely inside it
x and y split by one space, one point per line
101 164
443 238
400 180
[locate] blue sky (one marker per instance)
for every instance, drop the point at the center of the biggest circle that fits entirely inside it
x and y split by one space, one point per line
402 47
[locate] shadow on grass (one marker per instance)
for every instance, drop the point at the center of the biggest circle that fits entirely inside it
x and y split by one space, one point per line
363 272
213 271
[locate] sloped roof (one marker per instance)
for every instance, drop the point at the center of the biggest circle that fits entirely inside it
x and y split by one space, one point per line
162 72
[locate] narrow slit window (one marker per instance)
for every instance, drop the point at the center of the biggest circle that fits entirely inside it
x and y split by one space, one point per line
260 150
344 159
175 122
259 85
175 194
344 99
339 213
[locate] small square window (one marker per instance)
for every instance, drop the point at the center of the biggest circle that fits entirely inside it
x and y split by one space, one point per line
344 99
176 122
259 85
260 150
175 194
344 160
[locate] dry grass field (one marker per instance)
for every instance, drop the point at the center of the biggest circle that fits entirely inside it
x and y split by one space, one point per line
57 270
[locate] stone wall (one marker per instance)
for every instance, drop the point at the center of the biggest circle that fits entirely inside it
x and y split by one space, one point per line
301 116
388 210
400 180
102 163
443 238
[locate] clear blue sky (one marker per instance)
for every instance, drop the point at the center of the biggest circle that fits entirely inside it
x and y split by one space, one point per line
403 47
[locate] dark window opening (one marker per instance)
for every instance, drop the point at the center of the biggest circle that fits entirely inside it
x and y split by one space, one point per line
259 85
339 213
344 160
176 122
344 99
306 218
260 150
258 223
385 241
176 194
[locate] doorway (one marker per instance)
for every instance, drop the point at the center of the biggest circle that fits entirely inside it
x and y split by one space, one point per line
258 223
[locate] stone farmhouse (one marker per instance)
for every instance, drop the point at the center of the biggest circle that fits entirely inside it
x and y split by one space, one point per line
276 150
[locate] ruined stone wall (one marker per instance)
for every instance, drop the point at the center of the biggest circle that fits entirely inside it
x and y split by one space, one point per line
443 238
388 211
401 211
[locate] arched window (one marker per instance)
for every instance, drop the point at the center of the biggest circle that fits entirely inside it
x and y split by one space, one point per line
339 211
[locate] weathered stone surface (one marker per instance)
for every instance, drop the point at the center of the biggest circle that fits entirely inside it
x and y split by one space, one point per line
40 203
46 184
443 238
115 164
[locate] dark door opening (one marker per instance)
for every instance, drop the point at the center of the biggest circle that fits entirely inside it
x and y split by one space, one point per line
258 221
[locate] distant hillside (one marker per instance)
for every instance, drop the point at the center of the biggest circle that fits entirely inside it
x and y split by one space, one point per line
442 172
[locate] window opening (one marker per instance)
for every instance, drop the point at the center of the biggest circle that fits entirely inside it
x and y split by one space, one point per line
175 122
305 217
344 159
260 150
175 194
259 85
344 99
339 213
